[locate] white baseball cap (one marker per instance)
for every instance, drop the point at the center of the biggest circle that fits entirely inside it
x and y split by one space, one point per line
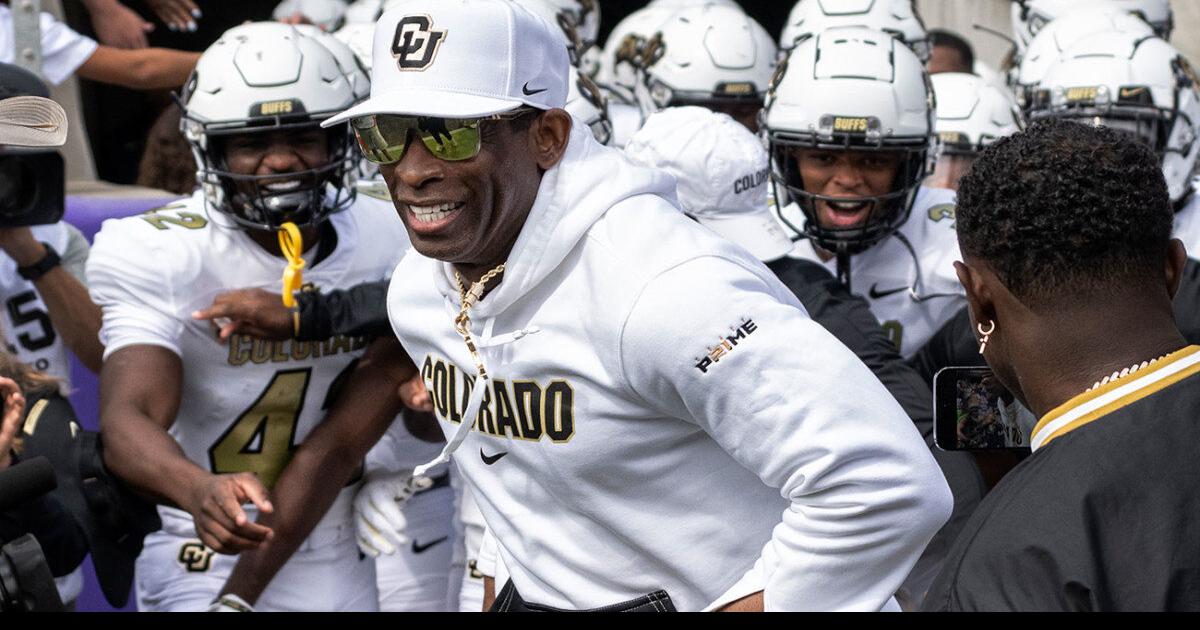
463 59
721 171
32 121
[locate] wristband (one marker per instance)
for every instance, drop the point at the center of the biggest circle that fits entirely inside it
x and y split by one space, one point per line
230 603
38 269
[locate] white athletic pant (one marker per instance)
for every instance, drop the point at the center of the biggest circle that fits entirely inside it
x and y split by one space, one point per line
470 527
176 572
416 578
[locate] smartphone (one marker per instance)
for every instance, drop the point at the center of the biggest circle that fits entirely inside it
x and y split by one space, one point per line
973 411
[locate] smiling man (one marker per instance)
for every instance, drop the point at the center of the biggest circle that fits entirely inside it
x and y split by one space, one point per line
205 426
568 318
850 120
617 384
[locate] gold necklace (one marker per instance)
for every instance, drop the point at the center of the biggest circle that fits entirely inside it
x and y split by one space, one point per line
468 298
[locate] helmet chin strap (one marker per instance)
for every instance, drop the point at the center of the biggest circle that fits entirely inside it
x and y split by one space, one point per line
291 243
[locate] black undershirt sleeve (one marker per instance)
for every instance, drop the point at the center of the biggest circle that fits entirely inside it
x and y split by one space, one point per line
358 311
849 318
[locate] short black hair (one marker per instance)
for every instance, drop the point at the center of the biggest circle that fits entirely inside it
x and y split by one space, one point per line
950 39
1065 209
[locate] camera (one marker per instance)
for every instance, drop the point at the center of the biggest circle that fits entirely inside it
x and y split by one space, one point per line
26 584
32 187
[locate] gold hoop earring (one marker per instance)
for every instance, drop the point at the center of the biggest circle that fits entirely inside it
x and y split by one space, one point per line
985 334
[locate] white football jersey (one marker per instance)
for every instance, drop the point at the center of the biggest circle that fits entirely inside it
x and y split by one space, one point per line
888 273
28 332
248 403
1187 223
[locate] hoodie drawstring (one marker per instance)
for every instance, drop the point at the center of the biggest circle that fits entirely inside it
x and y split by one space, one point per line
462 324
475 401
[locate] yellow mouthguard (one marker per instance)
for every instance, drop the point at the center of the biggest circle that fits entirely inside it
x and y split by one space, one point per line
292 245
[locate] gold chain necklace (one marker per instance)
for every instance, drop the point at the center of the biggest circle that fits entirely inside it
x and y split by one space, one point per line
462 322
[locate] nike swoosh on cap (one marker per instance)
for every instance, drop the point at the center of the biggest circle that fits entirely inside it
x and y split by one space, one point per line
528 92
491 459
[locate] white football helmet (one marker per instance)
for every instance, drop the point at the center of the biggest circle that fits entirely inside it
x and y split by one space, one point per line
347 60
562 21
712 56
683 4
1029 17
263 77
618 64
585 16
587 104
895 17
972 113
851 89
359 37
1136 84
363 12
1058 35
326 15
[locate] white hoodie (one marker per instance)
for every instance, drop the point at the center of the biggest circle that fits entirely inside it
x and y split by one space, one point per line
666 415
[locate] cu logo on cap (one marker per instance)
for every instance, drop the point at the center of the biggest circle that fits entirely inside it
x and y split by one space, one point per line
416 43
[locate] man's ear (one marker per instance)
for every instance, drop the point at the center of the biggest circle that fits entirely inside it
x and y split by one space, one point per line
1176 259
979 296
548 137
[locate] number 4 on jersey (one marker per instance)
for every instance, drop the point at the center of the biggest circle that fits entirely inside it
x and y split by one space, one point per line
262 439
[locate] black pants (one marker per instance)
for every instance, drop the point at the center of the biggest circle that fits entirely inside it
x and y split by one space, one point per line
509 600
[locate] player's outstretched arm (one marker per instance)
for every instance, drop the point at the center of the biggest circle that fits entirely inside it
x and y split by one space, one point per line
139 396
140 69
72 312
325 462
357 311
251 311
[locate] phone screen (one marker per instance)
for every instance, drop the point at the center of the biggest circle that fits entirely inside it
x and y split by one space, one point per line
974 412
